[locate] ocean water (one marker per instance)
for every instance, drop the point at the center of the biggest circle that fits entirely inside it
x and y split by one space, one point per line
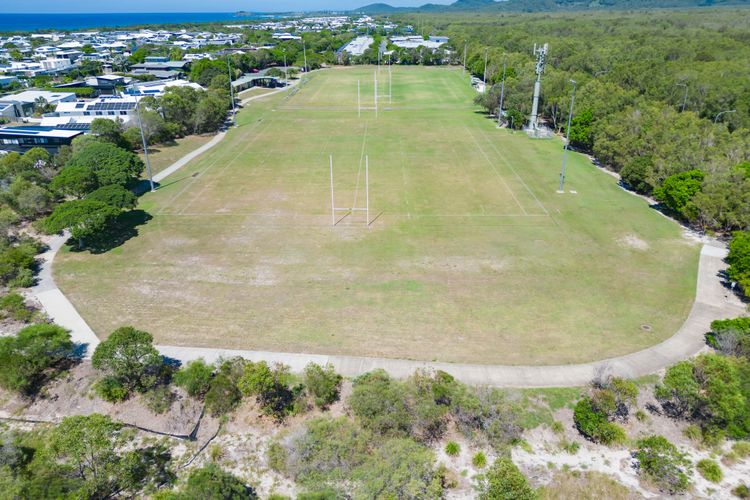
32 22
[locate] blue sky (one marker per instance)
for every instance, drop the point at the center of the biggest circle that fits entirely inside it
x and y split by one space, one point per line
60 6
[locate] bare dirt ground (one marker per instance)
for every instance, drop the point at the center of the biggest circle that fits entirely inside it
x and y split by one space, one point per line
72 394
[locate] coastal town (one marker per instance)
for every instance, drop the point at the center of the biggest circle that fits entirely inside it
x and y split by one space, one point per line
54 84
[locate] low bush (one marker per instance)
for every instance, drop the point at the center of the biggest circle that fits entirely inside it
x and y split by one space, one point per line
195 378
663 464
594 425
13 306
276 455
323 384
159 399
504 481
110 389
223 396
271 388
452 449
710 470
741 491
479 460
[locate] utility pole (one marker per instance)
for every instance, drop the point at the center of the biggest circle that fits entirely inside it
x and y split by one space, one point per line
502 94
684 98
567 139
231 93
145 146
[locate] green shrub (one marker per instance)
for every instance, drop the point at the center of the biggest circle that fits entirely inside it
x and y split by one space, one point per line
271 388
223 396
212 483
110 389
663 464
709 390
505 481
14 306
557 427
159 399
325 494
276 456
710 470
195 378
693 433
741 491
34 355
329 451
452 449
479 460
594 424
741 448
323 384
17 263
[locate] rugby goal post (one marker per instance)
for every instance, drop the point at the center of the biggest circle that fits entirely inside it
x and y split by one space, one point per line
349 210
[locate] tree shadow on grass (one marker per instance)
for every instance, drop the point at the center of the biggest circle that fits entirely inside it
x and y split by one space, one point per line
123 228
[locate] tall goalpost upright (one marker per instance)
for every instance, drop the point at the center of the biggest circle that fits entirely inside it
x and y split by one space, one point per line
349 210
359 96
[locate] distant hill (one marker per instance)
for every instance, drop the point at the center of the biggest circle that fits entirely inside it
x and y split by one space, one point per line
544 5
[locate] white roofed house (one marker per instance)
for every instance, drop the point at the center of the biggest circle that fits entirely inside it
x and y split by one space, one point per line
26 101
121 109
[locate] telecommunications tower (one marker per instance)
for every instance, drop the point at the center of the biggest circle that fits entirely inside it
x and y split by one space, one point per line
541 55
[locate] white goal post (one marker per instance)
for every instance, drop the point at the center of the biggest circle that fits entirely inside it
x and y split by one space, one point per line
349 210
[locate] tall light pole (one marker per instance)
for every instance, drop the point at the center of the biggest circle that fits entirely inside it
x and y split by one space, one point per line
716 119
465 47
684 98
484 77
231 93
145 146
304 53
286 74
502 94
567 139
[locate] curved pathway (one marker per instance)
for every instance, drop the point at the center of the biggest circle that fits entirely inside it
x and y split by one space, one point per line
712 302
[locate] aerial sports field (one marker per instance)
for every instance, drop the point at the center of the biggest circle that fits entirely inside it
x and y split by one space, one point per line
468 253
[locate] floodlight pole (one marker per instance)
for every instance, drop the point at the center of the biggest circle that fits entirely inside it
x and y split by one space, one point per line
286 74
567 138
145 146
304 53
465 47
484 77
367 190
231 93
502 94
359 106
716 118
333 204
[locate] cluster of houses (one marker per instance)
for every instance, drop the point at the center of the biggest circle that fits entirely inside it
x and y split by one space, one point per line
54 115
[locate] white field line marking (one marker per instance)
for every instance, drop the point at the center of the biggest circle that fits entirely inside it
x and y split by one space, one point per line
225 167
510 166
495 170
359 169
404 182
201 173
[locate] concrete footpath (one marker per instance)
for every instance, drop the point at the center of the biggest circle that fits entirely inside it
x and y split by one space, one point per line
712 302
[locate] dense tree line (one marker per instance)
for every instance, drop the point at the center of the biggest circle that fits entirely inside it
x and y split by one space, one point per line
659 95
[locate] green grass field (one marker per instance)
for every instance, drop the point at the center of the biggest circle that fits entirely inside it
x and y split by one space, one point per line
471 255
